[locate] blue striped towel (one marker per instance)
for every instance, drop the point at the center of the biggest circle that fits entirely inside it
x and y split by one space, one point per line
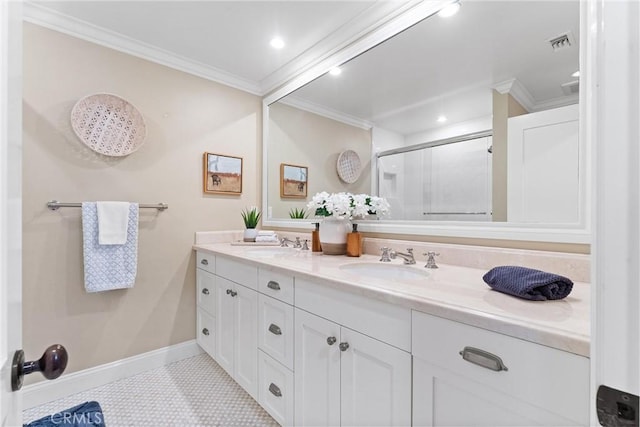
108 267
528 283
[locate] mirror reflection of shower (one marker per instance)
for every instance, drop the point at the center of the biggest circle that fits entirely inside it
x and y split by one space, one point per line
445 180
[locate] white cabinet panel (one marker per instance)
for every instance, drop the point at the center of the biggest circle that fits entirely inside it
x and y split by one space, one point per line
275 284
375 382
206 291
225 325
317 371
206 261
205 332
246 339
275 329
238 272
275 389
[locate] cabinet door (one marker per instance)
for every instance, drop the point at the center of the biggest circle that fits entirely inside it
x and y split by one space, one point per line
375 382
246 340
317 371
225 324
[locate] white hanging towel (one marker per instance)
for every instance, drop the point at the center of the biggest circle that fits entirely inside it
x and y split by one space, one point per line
108 267
113 221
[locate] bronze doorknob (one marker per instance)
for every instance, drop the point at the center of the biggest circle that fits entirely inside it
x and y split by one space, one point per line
52 364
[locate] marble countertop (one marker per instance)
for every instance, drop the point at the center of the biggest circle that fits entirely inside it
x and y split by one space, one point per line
453 292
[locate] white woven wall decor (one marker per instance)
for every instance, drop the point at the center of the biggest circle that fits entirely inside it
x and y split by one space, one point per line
108 124
349 166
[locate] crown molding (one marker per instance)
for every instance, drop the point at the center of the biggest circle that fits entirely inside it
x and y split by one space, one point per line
326 112
560 101
45 17
514 88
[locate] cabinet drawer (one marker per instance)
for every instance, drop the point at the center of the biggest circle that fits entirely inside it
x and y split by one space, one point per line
533 369
276 285
275 329
205 330
386 322
206 291
206 261
237 271
275 389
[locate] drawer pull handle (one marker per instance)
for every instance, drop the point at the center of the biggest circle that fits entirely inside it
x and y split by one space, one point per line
275 390
205 331
205 291
204 262
331 340
483 358
344 346
275 329
273 285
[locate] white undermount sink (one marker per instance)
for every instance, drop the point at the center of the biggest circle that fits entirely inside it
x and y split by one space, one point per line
269 251
385 271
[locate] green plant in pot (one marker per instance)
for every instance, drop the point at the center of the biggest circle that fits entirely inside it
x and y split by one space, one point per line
296 213
251 217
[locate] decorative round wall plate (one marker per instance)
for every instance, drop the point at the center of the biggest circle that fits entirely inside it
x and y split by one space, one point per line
108 124
349 166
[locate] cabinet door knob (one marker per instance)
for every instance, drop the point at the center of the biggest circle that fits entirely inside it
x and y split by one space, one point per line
275 329
331 340
205 331
483 358
204 262
234 293
275 390
344 346
273 285
205 291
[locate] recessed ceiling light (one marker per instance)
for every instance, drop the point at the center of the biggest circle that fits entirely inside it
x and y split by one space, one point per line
335 71
576 74
449 10
442 119
277 43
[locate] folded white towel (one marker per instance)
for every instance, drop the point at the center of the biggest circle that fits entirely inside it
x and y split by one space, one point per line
273 238
113 220
266 233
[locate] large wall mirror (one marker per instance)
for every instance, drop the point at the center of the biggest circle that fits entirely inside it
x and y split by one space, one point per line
469 126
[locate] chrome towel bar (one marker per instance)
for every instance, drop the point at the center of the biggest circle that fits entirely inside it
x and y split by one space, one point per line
55 205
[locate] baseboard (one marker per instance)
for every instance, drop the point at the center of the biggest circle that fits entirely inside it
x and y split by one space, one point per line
76 382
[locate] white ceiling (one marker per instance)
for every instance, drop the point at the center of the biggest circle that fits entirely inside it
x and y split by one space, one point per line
437 66
230 38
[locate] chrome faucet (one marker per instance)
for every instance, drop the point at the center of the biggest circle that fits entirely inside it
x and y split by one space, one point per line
297 244
408 257
384 257
431 260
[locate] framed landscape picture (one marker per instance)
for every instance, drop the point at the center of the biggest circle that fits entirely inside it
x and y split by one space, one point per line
222 174
293 181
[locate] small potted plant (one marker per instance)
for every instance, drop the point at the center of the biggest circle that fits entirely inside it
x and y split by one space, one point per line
296 213
251 217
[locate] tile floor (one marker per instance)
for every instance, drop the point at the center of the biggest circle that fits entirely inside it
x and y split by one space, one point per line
191 392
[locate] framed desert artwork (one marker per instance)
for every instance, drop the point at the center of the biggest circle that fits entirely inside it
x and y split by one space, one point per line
293 181
222 174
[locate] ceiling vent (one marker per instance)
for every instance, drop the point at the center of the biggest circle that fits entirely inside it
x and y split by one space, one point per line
562 41
571 87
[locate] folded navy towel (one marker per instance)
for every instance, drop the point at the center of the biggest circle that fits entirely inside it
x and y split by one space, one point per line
528 283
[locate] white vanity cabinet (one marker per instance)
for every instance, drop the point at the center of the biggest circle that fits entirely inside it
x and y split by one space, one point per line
504 381
344 377
236 336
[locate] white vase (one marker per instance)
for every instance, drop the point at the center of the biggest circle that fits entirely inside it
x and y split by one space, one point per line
333 235
250 234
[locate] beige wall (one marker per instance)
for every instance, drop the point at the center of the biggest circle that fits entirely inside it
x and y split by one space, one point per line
185 116
504 106
301 138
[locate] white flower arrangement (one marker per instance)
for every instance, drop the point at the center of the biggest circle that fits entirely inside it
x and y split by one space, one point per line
347 205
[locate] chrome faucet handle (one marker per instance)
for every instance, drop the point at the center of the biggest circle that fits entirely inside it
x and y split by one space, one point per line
305 246
431 259
385 255
297 244
284 241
